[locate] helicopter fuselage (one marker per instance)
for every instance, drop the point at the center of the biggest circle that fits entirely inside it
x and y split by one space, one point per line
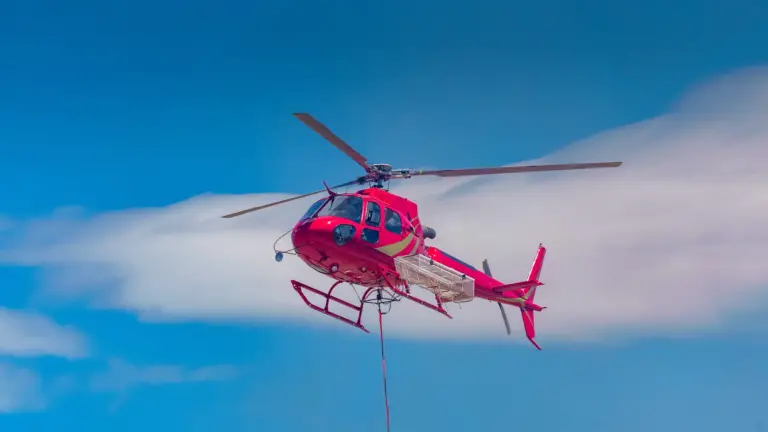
347 236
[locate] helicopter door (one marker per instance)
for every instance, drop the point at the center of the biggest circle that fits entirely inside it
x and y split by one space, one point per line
372 223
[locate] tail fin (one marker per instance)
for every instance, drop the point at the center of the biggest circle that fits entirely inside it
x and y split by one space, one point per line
529 286
533 277
527 291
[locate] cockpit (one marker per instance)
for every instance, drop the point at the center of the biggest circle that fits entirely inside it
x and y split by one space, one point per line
313 209
349 207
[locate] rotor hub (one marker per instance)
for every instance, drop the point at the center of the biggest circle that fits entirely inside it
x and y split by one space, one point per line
380 173
381 168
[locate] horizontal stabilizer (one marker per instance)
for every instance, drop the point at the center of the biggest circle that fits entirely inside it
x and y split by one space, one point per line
517 285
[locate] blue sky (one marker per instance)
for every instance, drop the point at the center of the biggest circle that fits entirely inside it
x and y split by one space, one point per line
123 105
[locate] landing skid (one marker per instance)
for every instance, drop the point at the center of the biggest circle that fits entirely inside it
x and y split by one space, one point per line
375 295
299 287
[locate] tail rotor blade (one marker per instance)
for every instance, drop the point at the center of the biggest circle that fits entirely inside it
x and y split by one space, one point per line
487 270
504 316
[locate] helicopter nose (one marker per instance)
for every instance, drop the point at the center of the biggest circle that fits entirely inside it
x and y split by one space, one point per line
322 228
325 231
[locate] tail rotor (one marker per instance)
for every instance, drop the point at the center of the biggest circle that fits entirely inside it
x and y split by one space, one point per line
487 270
521 294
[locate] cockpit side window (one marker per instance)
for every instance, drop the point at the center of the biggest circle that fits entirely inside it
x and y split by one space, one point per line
373 214
392 222
312 209
344 206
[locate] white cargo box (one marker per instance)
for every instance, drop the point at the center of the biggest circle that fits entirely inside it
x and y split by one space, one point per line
448 284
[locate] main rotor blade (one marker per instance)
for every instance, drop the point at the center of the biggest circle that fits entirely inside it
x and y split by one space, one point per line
332 138
261 207
515 169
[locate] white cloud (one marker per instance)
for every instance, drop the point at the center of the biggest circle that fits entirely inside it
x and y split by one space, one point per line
24 390
20 390
672 241
24 334
121 376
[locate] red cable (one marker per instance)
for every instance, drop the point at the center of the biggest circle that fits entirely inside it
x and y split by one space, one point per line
383 364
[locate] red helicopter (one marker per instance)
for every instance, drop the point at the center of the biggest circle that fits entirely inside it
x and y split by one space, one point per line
374 239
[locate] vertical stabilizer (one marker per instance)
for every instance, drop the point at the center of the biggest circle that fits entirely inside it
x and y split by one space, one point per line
530 292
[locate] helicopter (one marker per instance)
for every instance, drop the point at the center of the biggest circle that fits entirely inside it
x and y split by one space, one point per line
374 239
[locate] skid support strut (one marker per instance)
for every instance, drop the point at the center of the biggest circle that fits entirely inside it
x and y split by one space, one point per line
393 284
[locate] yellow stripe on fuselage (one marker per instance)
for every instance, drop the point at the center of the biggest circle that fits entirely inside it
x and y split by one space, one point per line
397 247
515 301
415 246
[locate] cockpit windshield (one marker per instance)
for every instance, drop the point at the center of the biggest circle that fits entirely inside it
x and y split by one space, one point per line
313 208
344 206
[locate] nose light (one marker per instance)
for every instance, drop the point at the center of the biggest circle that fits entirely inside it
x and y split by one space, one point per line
342 234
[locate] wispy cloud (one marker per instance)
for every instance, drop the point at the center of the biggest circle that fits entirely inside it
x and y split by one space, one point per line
672 241
20 390
121 376
26 334
23 335
24 390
